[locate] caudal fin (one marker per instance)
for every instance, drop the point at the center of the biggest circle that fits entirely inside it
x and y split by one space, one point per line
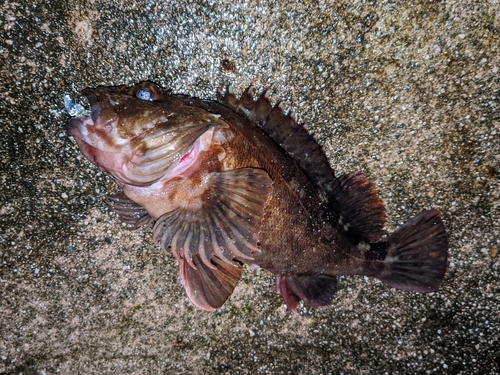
416 254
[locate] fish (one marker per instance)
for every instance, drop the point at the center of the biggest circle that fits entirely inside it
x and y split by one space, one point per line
237 181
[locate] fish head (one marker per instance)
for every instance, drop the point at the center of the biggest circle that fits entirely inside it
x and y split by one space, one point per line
138 134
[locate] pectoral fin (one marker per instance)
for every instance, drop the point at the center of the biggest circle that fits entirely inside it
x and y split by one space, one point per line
224 228
208 288
128 211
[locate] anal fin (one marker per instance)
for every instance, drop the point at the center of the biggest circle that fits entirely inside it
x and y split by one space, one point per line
315 291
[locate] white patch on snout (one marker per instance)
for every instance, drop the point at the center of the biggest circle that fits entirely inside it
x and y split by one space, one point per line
84 130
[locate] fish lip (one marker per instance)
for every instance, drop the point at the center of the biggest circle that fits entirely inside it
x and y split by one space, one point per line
95 105
77 124
72 124
77 127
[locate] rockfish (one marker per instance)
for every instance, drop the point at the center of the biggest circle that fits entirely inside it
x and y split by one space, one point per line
238 181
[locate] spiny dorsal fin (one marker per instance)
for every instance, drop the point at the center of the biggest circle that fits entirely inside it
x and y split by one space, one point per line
352 196
285 131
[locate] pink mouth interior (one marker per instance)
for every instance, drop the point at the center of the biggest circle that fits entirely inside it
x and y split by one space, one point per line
187 162
186 156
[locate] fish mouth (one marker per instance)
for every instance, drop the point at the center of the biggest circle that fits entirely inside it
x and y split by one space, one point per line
78 125
81 117
83 130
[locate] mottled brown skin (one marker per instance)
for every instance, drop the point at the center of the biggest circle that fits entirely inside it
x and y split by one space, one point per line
299 233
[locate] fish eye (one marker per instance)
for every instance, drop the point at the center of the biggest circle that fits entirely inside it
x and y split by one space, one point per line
147 91
145 94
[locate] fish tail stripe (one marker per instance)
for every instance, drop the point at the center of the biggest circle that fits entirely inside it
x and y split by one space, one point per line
416 254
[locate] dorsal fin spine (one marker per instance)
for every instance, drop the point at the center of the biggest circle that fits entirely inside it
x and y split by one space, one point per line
284 130
352 197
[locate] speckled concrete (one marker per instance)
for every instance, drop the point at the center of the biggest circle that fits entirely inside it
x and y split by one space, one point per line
406 91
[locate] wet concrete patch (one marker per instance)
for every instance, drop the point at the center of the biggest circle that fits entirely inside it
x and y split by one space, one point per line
407 92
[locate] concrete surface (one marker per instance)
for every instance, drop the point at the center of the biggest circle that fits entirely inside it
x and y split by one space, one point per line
406 91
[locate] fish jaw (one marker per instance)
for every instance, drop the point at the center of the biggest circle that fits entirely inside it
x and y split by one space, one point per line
95 145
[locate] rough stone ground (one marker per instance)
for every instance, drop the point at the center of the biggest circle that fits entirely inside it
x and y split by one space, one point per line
407 91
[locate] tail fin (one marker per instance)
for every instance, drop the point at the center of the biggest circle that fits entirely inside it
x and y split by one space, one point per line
416 254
